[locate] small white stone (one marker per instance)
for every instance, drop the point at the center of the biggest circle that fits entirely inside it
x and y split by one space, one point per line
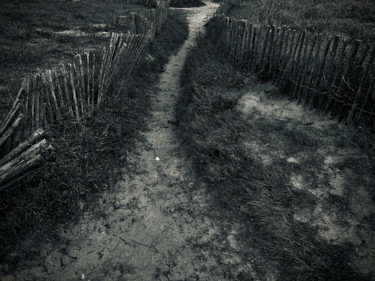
83 276
157 158
292 160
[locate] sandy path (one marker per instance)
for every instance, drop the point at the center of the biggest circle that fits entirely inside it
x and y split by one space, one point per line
154 225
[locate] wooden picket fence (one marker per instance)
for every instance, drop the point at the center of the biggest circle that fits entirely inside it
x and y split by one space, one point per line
330 74
150 20
72 90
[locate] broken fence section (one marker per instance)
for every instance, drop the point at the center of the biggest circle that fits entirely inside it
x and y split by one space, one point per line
72 90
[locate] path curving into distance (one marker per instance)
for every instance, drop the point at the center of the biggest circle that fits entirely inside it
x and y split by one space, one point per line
155 224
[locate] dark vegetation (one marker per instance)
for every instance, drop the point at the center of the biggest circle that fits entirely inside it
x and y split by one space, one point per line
256 195
88 155
350 18
186 3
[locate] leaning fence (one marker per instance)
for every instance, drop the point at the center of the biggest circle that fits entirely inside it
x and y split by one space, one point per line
72 90
332 74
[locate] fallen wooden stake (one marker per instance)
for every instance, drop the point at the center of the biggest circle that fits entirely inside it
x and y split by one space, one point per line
22 160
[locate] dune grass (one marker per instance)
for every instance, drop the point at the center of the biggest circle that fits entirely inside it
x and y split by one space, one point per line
350 18
41 34
245 189
88 156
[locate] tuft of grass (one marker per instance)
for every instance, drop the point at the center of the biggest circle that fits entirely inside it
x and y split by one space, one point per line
244 188
88 156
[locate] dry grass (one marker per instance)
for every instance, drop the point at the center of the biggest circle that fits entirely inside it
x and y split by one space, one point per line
42 34
349 18
247 189
89 156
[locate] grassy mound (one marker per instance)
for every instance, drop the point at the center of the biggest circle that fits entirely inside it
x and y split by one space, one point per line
88 156
214 132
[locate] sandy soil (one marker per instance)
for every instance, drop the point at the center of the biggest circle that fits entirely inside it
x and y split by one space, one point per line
153 225
324 162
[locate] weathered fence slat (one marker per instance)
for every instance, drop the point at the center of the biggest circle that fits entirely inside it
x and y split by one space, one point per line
81 78
305 70
254 49
299 70
38 134
361 89
333 88
17 168
297 61
37 103
306 96
275 55
88 80
316 83
344 80
73 89
245 49
11 129
271 49
53 94
264 48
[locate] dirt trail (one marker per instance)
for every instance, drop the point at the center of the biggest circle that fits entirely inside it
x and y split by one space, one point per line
155 224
